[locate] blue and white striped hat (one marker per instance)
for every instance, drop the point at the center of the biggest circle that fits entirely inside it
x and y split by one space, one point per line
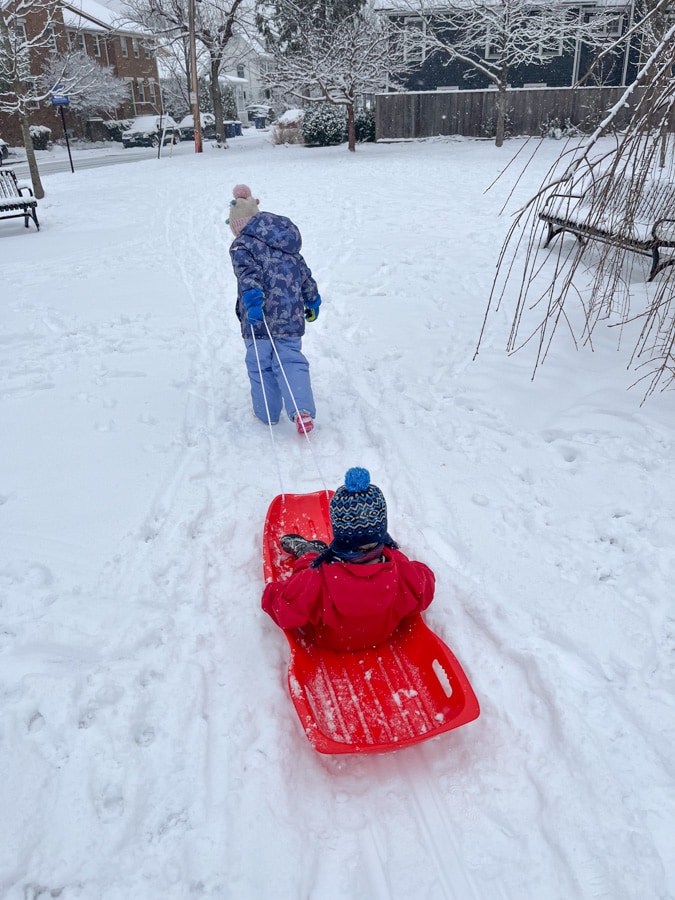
358 512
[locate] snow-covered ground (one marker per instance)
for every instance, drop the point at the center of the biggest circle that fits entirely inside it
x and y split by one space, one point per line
148 746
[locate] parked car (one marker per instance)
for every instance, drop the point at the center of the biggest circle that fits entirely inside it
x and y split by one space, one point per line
4 151
146 131
187 126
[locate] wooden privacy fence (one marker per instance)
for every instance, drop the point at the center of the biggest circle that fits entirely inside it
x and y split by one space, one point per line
531 111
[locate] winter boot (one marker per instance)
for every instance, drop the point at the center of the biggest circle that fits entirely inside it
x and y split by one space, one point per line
304 423
297 545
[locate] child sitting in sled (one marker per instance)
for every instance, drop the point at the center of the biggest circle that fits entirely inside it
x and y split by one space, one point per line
354 592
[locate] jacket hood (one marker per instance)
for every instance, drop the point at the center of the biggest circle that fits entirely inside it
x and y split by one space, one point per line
277 232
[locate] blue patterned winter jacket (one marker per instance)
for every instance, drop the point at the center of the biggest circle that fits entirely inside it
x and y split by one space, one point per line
266 255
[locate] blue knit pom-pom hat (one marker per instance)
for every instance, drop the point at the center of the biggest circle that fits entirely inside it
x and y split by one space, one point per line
358 512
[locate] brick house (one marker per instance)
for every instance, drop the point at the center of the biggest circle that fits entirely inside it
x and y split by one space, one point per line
85 25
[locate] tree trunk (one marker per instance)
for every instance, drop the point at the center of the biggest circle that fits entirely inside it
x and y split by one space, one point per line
351 127
217 102
38 190
501 115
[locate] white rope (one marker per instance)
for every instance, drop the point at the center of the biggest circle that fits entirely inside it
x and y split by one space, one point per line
295 405
267 412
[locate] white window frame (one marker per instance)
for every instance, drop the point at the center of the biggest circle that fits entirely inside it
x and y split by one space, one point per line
613 28
492 49
132 95
96 38
51 40
140 88
31 84
135 47
411 52
152 91
124 47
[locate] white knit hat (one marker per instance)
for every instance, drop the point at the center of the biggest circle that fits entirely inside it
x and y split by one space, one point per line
242 208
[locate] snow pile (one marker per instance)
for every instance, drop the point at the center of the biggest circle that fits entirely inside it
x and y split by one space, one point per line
292 117
148 745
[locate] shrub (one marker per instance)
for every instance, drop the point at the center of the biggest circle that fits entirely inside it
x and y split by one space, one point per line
288 127
41 137
323 125
115 127
364 124
286 134
553 127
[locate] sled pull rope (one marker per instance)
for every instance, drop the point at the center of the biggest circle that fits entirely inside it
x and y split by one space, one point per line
295 406
267 411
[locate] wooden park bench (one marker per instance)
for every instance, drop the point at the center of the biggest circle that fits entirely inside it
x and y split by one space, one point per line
609 211
13 203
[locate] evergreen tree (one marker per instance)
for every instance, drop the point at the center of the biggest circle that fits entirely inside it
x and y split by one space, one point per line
284 23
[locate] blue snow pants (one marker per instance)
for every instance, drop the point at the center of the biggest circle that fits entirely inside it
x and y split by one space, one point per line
296 368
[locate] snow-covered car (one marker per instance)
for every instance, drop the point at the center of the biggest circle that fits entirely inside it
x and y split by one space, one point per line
4 151
187 126
146 131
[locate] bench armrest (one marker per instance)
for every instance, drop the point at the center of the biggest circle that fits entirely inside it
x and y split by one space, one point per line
22 186
562 197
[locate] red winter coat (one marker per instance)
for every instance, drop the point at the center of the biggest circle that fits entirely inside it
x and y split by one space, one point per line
350 606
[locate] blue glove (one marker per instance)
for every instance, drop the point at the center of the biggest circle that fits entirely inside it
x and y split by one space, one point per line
253 301
312 309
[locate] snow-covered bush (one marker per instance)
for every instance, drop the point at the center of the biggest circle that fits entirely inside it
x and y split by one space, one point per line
115 127
364 124
553 127
41 136
323 125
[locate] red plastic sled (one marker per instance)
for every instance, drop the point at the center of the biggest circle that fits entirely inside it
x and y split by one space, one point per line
369 701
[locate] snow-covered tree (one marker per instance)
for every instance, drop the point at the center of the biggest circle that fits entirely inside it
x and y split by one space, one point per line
640 156
216 23
359 55
494 37
91 88
21 55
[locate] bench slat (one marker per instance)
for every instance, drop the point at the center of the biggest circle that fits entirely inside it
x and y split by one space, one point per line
13 203
607 210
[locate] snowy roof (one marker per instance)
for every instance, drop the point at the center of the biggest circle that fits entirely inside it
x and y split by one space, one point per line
93 16
407 7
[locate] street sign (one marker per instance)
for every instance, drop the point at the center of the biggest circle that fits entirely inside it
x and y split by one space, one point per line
60 100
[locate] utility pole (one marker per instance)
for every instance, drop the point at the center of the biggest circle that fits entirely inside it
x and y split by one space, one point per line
194 93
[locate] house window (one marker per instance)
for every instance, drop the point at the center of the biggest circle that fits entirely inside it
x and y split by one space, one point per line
51 38
132 96
241 71
493 48
81 46
136 48
123 45
551 41
147 50
97 44
20 32
551 48
71 40
31 91
612 28
414 43
140 86
152 92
